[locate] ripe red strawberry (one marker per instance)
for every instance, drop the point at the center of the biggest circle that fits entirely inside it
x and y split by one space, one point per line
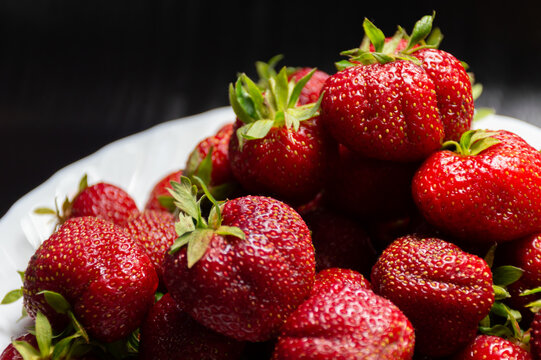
220 170
369 188
245 269
280 149
488 190
331 277
535 337
444 291
339 241
170 333
485 347
11 353
311 91
345 320
160 190
154 231
108 280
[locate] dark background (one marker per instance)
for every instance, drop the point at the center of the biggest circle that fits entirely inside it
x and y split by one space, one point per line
76 75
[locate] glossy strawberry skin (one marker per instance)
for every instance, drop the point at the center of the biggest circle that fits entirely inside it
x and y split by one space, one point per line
105 276
221 169
485 347
343 319
453 89
10 353
369 188
311 91
443 290
383 111
105 201
287 165
245 289
169 333
535 337
161 189
491 196
155 232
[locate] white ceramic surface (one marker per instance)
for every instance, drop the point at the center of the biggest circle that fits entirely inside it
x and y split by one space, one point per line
135 163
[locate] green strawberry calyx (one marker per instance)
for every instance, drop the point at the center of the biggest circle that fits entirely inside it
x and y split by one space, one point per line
422 36
472 142
193 230
274 105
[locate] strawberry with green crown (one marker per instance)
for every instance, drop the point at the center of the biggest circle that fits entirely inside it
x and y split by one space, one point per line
279 148
243 270
395 104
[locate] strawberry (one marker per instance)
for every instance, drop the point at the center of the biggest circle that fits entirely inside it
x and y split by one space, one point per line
345 320
105 277
210 161
535 337
280 149
160 193
245 269
485 347
154 231
102 200
444 291
369 188
312 90
381 104
11 352
170 333
487 189
339 241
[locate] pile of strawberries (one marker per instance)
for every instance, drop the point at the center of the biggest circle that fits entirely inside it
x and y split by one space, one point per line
353 215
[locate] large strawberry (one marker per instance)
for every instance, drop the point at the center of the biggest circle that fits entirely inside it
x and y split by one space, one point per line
159 197
280 149
342 320
154 231
106 278
245 269
444 291
485 347
169 333
488 189
102 200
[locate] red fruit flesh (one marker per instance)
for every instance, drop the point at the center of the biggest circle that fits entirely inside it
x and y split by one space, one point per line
155 232
161 189
486 347
169 333
245 289
107 278
383 111
488 197
453 89
443 290
344 320
287 165
105 201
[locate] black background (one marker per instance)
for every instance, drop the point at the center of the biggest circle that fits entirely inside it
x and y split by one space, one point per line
76 75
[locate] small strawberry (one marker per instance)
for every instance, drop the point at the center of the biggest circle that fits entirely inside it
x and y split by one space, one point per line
210 162
108 281
369 189
160 193
280 149
102 200
485 347
487 189
312 90
339 241
444 291
245 269
154 231
169 333
345 320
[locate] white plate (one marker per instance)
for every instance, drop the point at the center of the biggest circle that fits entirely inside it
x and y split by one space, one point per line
135 163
